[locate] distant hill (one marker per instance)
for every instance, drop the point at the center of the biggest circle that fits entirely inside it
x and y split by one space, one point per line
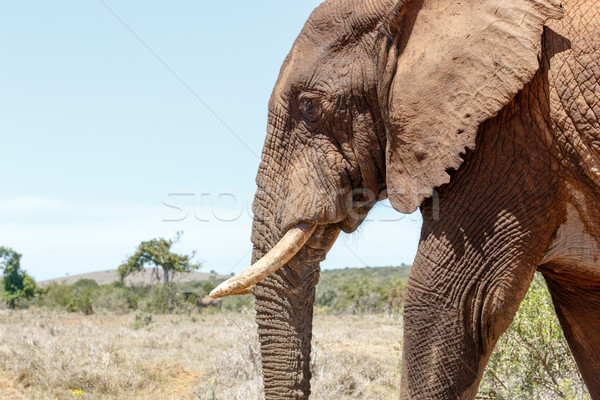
145 276
380 273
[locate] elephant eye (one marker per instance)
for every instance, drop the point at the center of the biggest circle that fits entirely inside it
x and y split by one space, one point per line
308 107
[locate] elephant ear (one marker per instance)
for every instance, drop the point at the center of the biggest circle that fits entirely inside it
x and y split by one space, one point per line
458 63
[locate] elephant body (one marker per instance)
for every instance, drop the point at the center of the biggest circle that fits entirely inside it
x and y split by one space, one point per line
527 199
202 301
207 301
483 114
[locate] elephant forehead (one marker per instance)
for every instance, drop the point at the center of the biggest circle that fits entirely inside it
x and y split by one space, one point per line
310 66
298 66
336 22
329 41
356 14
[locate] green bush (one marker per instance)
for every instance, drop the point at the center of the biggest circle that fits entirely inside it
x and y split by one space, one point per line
119 298
86 296
56 296
361 290
163 299
532 359
81 302
237 303
141 320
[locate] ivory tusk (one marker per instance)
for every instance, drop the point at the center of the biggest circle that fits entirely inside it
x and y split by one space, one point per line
288 246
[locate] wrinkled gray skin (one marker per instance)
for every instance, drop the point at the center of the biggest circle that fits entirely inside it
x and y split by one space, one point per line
474 112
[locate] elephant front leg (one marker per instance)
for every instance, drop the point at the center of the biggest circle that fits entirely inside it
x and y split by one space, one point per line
473 269
454 314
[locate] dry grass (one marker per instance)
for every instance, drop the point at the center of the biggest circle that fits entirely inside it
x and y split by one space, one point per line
45 355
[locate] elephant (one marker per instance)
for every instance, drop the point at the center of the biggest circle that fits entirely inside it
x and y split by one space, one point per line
483 114
207 301
201 301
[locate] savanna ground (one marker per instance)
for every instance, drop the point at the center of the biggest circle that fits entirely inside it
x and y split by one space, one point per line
57 355
121 342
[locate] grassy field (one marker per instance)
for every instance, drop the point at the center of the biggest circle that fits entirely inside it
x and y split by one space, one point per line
146 342
52 355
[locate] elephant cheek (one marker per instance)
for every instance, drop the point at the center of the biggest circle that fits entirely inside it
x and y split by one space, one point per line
315 195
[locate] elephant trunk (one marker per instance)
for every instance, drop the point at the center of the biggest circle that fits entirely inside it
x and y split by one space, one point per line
284 305
284 312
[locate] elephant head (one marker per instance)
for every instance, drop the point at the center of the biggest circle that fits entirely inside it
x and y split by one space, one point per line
377 99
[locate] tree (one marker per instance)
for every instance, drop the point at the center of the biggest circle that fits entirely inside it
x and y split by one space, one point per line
157 252
16 283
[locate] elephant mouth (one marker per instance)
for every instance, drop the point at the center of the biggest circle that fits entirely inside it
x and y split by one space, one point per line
353 220
358 211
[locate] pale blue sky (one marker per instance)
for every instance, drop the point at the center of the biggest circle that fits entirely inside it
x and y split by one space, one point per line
104 117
